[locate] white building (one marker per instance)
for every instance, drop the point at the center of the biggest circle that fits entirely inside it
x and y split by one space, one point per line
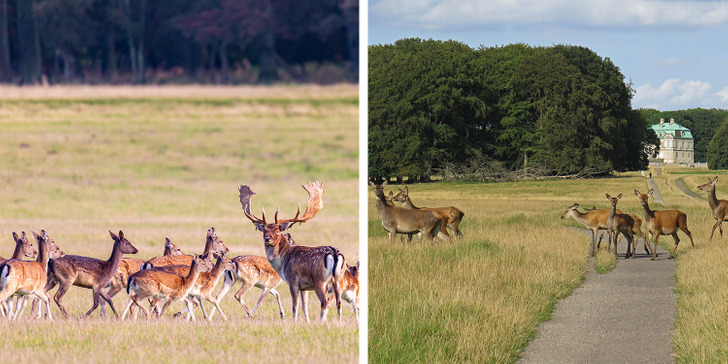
676 143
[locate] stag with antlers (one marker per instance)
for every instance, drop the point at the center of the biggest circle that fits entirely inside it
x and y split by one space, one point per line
303 268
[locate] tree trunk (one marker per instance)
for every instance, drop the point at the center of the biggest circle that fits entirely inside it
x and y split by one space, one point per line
6 71
269 56
28 44
223 62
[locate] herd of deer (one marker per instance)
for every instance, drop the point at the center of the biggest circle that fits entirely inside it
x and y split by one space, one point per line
658 223
175 276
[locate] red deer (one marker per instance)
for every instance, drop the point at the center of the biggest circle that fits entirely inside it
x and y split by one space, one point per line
28 278
453 215
213 243
620 223
595 219
158 284
399 220
253 271
87 272
718 206
663 223
303 268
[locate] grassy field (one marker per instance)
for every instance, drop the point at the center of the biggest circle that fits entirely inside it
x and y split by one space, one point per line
166 161
480 299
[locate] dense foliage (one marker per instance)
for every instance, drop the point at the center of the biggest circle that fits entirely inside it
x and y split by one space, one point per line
717 151
562 109
238 41
702 123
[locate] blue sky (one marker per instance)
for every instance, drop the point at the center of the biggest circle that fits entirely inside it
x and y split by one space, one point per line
675 53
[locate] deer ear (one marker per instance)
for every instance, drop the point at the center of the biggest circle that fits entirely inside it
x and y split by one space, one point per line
637 193
15 236
620 196
37 237
384 183
113 236
121 235
285 226
649 193
371 183
715 180
258 227
608 197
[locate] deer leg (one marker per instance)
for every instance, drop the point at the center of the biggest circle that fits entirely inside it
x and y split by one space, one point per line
278 298
58 297
126 308
113 290
108 300
215 306
677 241
43 298
96 297
595 245
190 309
239 296
320 290
294 299
304 304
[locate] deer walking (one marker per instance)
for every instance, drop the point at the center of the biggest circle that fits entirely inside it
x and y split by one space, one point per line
666 222
303 268
718 206
453 215
252 271
399 220
86 272
620 223
23 248
213 243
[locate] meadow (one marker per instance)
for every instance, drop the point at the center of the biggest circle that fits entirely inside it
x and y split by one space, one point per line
167 161
480 299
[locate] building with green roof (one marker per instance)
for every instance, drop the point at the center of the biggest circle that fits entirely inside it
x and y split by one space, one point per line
676 142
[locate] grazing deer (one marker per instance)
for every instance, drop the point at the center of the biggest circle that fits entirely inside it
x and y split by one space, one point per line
253 271
213 243
718 206
28 278
351 288
399 220
158 284
303 268
453 215
620 223
87 272
663 223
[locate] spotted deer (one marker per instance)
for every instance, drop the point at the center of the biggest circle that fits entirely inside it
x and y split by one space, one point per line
213 243
351 288
164 286
666 222
23 248
86 272
28 278
252 271
399 220
719 207
453 215
303 268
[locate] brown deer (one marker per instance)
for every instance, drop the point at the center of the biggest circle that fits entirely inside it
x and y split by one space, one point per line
28 278
213 243
303 268
129 266
253 271
663 223
87 272
351 288
158 284
596 219
399 220
23 248
453 215
718 206
620 223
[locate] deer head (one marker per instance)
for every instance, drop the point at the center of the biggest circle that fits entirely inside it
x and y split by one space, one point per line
570 211
353 269
27 248
124 245
215 242
54 252
708 186
272 230
643 196
614 200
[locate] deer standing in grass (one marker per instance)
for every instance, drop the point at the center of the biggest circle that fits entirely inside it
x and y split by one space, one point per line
453 215
252 271
23 248
213 243
161 285
595 219
303 268
28 278
350 292
666 222
399 220
719 207
87 272
129 266
620 223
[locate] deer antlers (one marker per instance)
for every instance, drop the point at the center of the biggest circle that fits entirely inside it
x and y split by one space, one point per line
315 204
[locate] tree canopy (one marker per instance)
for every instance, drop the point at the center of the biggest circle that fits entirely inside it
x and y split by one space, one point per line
717 151
562 109
702 123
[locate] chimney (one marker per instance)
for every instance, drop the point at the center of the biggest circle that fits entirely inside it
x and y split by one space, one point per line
662 121
672 121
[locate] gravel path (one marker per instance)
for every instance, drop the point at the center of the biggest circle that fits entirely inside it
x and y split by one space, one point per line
624 316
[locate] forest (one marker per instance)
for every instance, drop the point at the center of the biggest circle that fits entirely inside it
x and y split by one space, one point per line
178 41
442 108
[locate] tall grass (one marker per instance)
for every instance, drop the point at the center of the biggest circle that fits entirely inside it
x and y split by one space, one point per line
170 165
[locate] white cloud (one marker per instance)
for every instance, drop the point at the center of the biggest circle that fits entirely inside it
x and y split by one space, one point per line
674 94
444 14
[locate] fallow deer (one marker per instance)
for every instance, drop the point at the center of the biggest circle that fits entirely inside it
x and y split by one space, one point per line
399 220
28 278
87 272
453 214
719 207
303 268
620 223
158 284
252 271
350 293
23 248
213 243
666 222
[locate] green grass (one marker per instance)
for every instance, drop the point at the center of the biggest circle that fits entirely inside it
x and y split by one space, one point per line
157 167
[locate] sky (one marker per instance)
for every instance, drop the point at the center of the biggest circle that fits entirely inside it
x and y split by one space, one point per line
674 53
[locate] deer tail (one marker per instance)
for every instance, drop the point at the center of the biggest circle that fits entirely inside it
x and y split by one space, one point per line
128 285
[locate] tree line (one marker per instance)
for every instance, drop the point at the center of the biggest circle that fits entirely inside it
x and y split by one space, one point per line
141 41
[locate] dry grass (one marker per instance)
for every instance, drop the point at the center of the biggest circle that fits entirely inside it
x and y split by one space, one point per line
171 167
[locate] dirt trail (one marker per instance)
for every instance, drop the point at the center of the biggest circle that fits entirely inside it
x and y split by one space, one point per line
624 316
